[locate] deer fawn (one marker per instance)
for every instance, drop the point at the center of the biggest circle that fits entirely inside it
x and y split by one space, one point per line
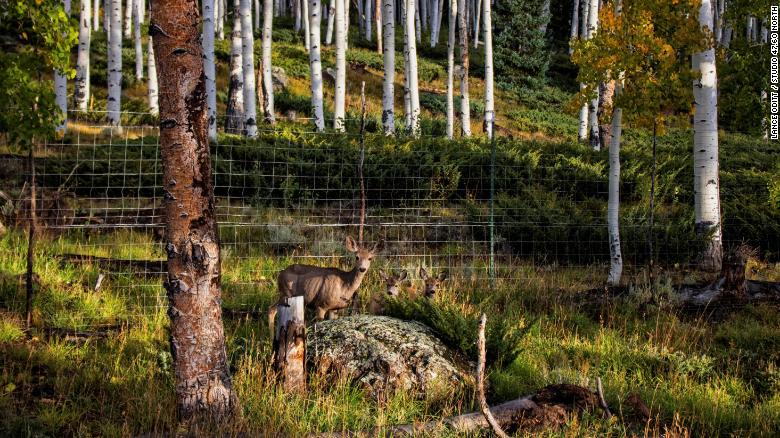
392 289
432 284
325 289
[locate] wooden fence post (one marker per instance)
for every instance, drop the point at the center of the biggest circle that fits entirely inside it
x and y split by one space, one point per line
290 345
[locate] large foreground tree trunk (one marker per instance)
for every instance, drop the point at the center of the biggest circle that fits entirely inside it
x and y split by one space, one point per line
706 179
203 385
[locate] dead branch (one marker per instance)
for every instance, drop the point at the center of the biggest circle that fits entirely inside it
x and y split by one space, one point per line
481 381
602 401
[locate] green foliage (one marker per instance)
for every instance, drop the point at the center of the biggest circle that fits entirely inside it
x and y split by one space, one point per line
437 104
650 43
42 36
521 52
427 70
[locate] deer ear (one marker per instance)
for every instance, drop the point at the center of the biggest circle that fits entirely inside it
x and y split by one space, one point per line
423 273
402 276
350 244
442 276
382 275
379 246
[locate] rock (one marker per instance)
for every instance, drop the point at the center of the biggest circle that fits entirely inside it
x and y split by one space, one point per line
279 78
384 354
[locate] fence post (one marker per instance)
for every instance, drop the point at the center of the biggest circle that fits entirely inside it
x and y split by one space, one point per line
30 241
290 345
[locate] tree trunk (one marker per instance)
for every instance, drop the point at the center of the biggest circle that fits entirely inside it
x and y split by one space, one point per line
417 27
107 18
465 108
268 83
582 133
414 95
451 69
248 59
545 13
706 179
575 21
151 67
477 23
96 16
61 87
490 113
368 4
219 17
388 92
209 68
234 114
315 65
593 23
139 49
378 25
407 98
256 24
202 379
306 26
81 84
331 23
114 104
340 92
435 20
613 204
290 345
607 92
128 29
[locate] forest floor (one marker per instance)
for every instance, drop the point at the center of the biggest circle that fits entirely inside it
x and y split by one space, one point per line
98 362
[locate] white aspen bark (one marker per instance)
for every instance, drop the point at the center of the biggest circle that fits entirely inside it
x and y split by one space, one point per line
142 10
613 204
209 69
465 108
490 113
720 9
315 65
139 50
151 67
114 103
219 14
361 19
81 84
306 26
96 16
575 21
234 113
451 69
346 22
593 120
378 24
582 134
417 27
340 91
368 4
107 18
331 23
61 87
407 98
128 19
706 179
256 24
422 6
268 83
476 23
248 59
414 94
727 33
435 20
388 92
545 13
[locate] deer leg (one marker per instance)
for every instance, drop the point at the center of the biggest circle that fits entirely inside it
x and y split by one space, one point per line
333 314
271 317
320 313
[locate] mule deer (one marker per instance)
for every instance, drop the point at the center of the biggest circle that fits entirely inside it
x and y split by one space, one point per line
325 289
432 284
392 289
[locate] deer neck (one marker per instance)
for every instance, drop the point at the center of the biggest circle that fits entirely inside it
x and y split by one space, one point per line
352 280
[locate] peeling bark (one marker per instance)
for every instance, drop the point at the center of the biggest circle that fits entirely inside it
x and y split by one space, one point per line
203 384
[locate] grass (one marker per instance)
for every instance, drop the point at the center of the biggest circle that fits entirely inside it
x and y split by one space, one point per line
706 378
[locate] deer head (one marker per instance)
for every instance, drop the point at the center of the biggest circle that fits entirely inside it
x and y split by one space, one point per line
393 282
363 256
432 284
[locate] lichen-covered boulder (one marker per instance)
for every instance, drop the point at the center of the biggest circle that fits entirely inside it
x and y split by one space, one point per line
384 355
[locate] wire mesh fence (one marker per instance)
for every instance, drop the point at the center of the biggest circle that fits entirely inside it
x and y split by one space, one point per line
482 212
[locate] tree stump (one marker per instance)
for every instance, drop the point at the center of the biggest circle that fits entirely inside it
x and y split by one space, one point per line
290 345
